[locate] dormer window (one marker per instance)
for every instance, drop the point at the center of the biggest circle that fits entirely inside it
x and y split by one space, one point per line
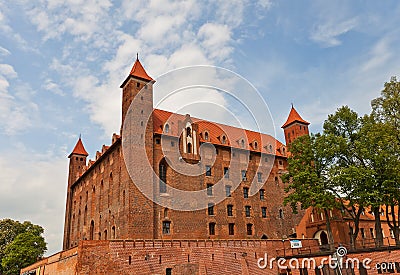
189 148
188 130
166 128
242 143
223 139
205 135
255 145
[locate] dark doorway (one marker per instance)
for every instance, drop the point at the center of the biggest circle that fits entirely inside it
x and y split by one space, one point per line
324 238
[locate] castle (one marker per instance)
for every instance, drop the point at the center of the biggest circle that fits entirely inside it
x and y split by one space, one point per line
104 203
122 218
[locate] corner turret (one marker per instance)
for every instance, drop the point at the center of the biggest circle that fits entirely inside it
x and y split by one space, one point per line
295 126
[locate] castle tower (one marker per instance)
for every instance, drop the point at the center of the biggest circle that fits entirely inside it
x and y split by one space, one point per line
77 165
137 80
295 126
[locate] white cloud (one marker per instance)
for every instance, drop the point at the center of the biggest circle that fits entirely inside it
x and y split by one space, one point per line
379 55
327 34
34 190
4 51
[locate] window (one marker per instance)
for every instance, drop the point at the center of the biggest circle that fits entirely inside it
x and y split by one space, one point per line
228 191
166 129
211 228
242 143
255 145
264 212
189 148
229 210
245 192
209 189
226 172
249 229
259 177
163 178
172 144
280 213
223 139
113 232
244 175
188 130
210 209
231 229
166 227
206 135
371 230
168 271
208 170
262 194
158 141
247 210
137 84
362 233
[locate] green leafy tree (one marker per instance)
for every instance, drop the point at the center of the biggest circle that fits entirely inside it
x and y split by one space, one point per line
386 111
309 184
347 168
25 237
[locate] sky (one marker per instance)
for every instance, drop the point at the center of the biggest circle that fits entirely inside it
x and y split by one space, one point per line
62 62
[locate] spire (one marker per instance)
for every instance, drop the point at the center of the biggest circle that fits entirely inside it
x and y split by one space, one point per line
294 117
137 71
79 149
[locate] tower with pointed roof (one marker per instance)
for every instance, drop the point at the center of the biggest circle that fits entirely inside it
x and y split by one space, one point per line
137 80
295 126
77 165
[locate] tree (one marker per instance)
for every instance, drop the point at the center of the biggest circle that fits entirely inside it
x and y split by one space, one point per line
309 184
386 111
20 245
347 169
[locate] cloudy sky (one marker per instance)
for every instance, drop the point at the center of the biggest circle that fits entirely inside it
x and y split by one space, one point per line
62 61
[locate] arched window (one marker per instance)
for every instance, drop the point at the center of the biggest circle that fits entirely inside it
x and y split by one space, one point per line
166 128
242 143
163 177
206 135
85 215
189 148
188 132
113 232
255 145
165 212
223 139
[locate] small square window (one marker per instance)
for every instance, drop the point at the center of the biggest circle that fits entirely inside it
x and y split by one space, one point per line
209 189
264 212
208 170
247 210
245 192
228 191
166 227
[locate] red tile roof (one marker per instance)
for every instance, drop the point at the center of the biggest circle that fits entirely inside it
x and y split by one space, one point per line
294 117
79 149
265 143
138 71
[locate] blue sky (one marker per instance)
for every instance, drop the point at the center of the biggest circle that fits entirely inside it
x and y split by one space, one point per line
61 64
